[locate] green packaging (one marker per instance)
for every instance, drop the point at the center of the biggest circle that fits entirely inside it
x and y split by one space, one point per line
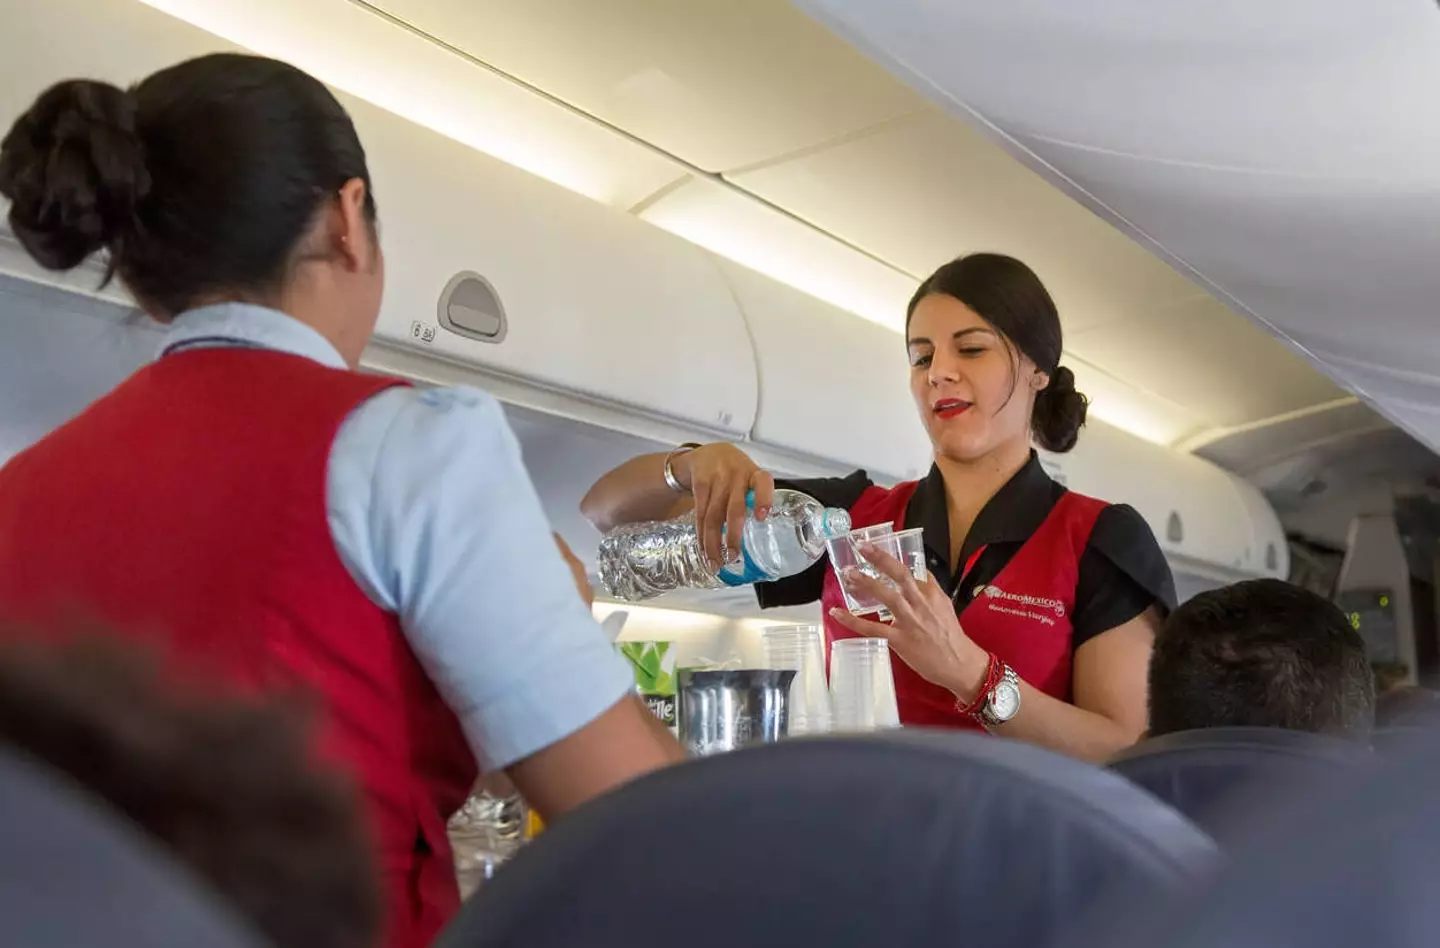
654 666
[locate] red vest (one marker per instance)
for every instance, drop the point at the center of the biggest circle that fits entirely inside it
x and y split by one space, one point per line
189 505
1023 615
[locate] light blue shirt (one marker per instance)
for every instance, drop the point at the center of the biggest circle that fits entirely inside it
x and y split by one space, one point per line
435 516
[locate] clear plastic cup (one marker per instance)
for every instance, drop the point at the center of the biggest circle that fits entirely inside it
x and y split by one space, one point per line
862 685
862 534
800 647
845 556
907 546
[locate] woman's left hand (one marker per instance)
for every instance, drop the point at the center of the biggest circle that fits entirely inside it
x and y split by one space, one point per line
577 571
925 632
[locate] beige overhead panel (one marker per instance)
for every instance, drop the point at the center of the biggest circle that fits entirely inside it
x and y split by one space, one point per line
1118 402
737 227
927 189
1202 355
720 83
1316 432
368 55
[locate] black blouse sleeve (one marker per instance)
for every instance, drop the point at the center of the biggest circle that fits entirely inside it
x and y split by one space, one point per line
1122 574
804 588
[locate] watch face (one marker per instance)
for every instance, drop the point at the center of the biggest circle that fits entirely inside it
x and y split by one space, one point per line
1004 701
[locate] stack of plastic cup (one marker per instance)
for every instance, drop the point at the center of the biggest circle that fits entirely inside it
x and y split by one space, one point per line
801 648
862 686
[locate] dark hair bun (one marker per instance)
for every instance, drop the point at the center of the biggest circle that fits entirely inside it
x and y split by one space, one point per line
73 168
1059 412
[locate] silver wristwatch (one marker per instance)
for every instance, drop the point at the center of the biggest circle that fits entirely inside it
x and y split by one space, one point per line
1004 701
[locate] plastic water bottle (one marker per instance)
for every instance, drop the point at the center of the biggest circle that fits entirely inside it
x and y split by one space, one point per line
642 560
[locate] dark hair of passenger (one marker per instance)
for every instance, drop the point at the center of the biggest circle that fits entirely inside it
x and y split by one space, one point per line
201 182
227 785
1261 653
1010 297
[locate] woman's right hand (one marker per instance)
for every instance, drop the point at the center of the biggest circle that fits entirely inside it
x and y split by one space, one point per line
720 476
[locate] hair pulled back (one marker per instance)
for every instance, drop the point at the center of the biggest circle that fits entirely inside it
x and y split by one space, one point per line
201 181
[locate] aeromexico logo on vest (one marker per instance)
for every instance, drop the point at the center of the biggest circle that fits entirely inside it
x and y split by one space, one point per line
1021 604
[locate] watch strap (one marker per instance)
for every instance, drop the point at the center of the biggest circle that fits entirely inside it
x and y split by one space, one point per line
987 713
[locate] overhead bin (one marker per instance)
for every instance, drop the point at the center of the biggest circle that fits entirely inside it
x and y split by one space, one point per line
494 269
1198 512
833 386
1268 543
598 306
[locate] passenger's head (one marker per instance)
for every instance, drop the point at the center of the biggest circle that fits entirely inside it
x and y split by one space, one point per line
1260 654
984 342
224 178
227 785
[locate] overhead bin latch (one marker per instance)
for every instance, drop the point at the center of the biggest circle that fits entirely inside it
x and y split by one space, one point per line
1175 528
470 307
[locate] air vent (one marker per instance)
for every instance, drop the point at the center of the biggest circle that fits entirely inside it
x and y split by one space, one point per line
1272 557
1174 529
470 307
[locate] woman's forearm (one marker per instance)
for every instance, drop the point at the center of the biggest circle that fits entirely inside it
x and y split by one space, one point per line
1062 727
1109 682
633 492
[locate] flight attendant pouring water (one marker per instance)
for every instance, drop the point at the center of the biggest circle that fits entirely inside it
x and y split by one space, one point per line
1038 614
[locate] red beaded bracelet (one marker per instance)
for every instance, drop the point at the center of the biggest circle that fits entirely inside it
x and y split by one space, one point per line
993 673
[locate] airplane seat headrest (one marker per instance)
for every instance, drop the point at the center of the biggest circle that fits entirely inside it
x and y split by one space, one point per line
1224 778
1353 863
1408 707
868 840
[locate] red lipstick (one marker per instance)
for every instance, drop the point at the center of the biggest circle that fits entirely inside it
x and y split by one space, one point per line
948 408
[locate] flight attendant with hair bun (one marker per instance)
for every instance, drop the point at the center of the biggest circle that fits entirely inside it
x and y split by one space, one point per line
274 516
1037 619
